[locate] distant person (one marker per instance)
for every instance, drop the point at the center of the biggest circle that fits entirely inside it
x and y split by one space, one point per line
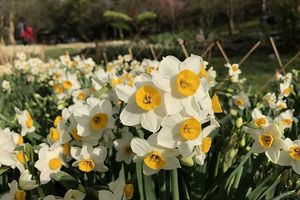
29 34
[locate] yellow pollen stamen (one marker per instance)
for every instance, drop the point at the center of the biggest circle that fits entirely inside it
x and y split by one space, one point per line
239 102
287 122
259 122
129 190
128 150
21 157
147 97
86 165
29 121
190 129
294 152
67 149
206 144
187 82
81 96
99 121
266 140
55 164
149 70
287 91
58 89
57 120
20 140
75 135
235 67
20 195
54 134
216 104
155 160
67 85
202 72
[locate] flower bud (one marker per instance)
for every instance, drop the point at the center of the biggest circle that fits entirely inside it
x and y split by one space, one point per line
187 161
25 181
233 112
239 122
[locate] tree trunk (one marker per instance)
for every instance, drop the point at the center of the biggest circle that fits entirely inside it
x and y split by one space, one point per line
231 24
11 28
1 30
121 33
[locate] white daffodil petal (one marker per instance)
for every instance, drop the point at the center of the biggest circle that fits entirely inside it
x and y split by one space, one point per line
140 146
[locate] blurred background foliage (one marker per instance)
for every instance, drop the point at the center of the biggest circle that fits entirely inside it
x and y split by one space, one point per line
62 21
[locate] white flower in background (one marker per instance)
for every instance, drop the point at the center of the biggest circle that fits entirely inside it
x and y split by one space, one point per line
288 78
26 182
286 118
80 95
278 76
74 195
25 120
89 159
145 104
268 140
149 65
69 82
58 135
202 148
107 138
270 98
21 56
7 147
118 190
70 195
234 69
210 77
6 86
155 157
122 145
285 89
50 162
290 155
241 101
281 104
183 131
258 119
94 118
180 82
66 60
92 139
14 192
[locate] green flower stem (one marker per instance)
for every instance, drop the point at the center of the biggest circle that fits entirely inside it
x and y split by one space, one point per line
163 195
174 182
139 174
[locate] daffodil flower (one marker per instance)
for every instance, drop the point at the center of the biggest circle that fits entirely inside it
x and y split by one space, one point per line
183 131
290 155
268 140
25 120
122 145
94 117
155 157
89 159
14 192
50 162
145 104
258 119
180 82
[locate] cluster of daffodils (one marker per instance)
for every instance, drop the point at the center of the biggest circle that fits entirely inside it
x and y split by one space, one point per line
174 105
152 112
270 130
